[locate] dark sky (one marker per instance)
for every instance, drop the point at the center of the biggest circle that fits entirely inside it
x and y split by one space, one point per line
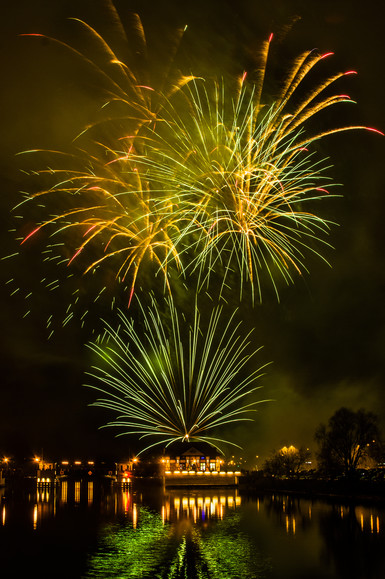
327 336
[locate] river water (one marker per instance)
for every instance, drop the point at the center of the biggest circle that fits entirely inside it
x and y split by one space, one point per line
83 530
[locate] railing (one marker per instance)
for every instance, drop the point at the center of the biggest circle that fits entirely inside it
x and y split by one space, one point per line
204 478
202 473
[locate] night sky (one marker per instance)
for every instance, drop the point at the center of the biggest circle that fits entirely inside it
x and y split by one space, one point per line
326 337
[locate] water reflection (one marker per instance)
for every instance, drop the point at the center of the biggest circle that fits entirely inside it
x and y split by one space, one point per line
354 540
194 535
198 506
143 531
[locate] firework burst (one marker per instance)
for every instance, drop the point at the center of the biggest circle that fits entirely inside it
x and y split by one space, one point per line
222 184
249 177
172 381
112 208
96 214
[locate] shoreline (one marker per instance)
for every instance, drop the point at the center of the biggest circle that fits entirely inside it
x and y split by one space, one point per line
248 485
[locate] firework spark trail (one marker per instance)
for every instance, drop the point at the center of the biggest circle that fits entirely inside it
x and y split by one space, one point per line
175 383
130 92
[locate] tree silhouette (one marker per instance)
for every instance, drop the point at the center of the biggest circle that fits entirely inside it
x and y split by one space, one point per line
346 441
287 461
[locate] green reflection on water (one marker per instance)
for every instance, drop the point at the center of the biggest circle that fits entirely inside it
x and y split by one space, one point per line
182 550
126 551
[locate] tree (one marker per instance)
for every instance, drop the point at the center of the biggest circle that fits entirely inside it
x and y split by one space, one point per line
346 441
287 461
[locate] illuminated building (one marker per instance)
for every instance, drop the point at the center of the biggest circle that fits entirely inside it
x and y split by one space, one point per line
189 456
195 464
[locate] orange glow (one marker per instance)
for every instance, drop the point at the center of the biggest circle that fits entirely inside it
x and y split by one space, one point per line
126 501
35 517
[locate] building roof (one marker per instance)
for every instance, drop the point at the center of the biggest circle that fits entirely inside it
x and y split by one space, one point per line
191 448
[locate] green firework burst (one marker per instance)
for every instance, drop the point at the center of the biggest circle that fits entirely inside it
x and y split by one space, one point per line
173 381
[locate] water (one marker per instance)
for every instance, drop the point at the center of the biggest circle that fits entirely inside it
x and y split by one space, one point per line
84 530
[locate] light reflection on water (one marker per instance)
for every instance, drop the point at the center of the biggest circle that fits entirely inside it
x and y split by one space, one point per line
143 531
193 534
